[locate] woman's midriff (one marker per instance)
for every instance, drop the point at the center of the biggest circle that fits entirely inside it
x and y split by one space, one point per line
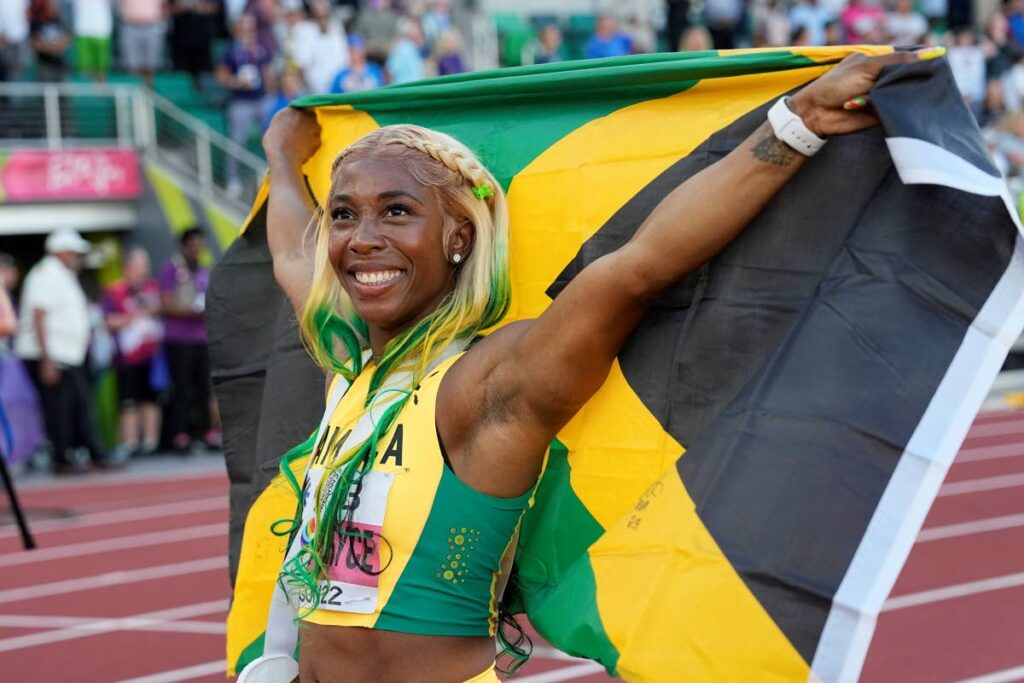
350 654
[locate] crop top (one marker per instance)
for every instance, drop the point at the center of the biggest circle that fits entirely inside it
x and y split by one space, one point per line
428 555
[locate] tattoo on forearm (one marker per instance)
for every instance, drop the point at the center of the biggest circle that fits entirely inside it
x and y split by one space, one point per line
771 150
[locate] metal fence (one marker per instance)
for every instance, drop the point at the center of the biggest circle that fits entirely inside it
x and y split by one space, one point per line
205 162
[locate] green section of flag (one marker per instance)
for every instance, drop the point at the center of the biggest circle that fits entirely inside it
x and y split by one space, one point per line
555 579
510 116
253 651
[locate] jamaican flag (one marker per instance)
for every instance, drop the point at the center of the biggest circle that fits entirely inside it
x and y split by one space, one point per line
737 500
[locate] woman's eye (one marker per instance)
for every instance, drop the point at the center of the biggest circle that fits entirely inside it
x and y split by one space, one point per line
341 214
396 210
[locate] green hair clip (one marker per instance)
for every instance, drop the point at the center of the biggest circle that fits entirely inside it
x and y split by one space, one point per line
483 191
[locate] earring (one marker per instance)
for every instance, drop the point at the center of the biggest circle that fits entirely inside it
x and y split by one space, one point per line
456 258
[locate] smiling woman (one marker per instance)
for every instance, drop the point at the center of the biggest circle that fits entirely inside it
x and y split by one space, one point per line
435 433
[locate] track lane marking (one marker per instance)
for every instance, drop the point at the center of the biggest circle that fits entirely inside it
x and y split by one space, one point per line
99 626
90 481
1004 676
186 674
959 590
978 526
980 453
115 578
60 552
995 429
124 624
121 516
1003 481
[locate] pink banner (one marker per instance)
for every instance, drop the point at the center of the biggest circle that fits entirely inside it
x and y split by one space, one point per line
42 175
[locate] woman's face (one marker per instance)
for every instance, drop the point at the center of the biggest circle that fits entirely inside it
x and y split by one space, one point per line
386 244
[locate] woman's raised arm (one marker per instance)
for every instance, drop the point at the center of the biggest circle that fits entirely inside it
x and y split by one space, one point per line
541 376
293 137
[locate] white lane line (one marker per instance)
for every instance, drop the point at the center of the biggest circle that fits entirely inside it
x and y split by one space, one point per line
1004 676
117 578
98 626
959 590
214 471
978 526
187 674
123 624
566 674
1004 450
996 429
124 515
1003 481
190 533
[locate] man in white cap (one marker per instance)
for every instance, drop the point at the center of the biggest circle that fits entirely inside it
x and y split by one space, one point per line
54 340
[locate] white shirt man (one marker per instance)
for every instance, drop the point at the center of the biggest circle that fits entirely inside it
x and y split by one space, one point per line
52 288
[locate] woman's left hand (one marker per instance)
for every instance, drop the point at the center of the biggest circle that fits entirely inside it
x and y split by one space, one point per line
837 102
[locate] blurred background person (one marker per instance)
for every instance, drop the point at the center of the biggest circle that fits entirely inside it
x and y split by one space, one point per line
13 38
53 340
131 307
244 71
321 48
289 88
436 20
17 391
725 19
93 24
862 19
50 40
142 32
377 23
814 16
967 61
549 45
904 25
361 74
183 281
695 39
405 61
608 40
193 26
448 54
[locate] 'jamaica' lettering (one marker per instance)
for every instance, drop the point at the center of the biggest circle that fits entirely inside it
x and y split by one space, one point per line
328 453
394 448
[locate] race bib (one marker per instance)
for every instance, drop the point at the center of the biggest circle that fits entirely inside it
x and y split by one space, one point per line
356 558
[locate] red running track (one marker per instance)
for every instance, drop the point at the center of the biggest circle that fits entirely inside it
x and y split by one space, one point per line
130 584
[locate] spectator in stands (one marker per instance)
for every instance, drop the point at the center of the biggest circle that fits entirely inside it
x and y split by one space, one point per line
290 87
378 24
904 25
725 21
814 16
54 340
321 48
861 19
834 33
141 32
549 45
244 71
13 38
130 308
50 40
448 53
266 13
183 281
1000 56
967 61
193 26
607 40
361 74
695 39
773 26
436 20
94 24
405 61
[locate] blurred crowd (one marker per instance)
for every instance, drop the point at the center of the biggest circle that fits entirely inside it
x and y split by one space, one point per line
149 332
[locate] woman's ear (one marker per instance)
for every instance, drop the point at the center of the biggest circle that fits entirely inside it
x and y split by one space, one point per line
462 239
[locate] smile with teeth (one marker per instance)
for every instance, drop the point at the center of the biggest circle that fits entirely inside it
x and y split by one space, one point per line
378 277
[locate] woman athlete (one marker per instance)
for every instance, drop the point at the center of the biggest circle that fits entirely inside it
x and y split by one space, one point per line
411 515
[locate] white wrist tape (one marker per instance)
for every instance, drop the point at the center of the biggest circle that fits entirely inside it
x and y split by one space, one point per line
792 130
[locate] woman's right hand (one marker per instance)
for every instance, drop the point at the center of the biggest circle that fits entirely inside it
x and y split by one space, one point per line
293 137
